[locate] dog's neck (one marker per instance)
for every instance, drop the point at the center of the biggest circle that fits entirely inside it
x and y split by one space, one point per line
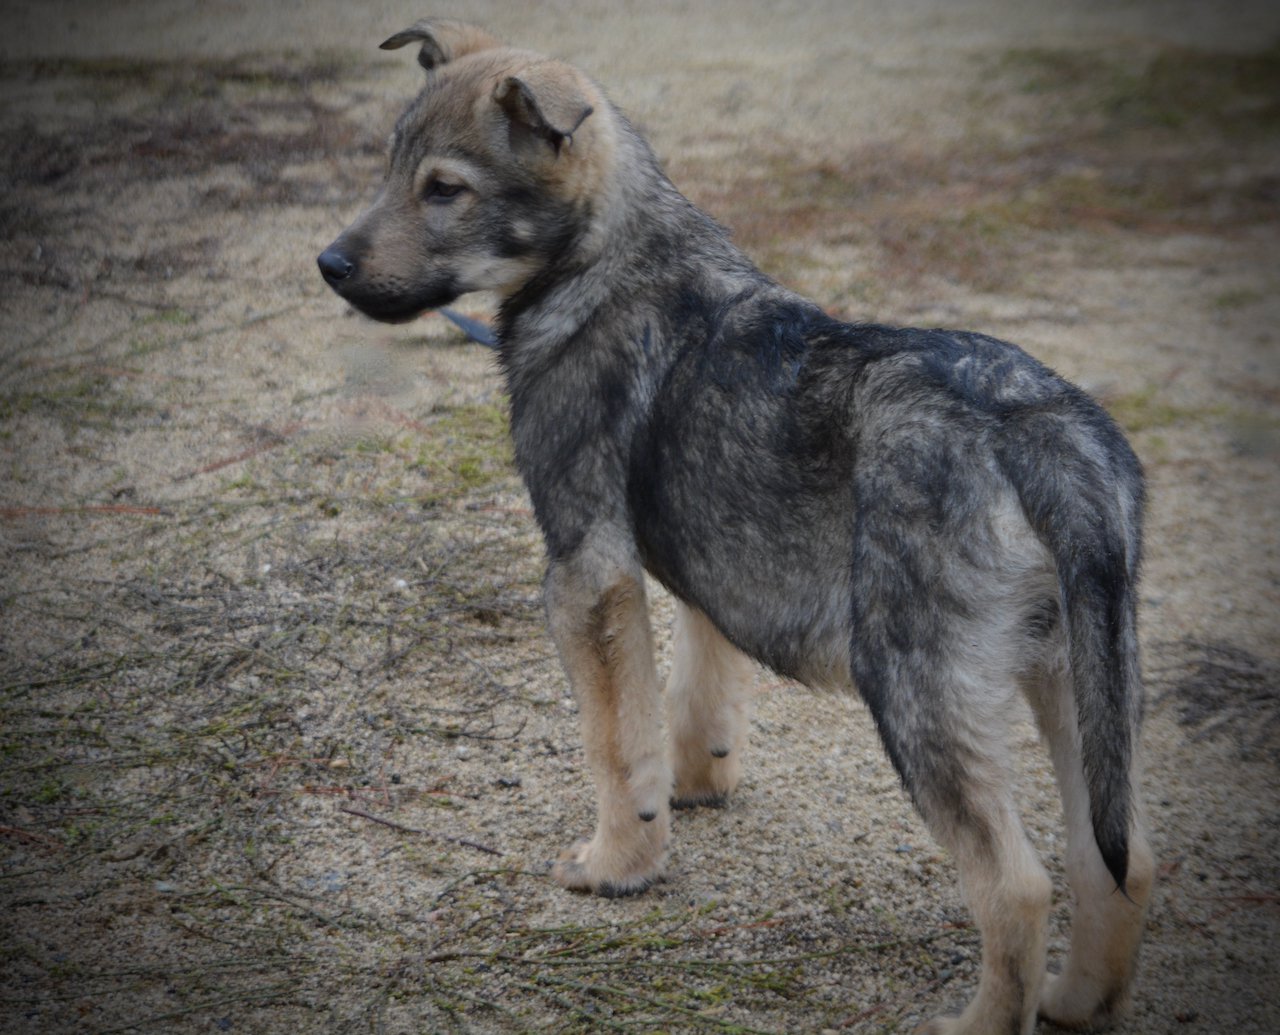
637 232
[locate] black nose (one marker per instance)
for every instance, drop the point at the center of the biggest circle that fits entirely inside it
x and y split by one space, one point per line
334 266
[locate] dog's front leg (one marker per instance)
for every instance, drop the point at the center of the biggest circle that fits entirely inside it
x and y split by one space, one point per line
708 706
601 627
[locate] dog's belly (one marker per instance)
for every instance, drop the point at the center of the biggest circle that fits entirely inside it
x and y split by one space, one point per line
768 563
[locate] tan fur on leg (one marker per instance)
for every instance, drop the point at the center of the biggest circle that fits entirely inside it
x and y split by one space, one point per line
1093 990
708 705
607 650
1009 892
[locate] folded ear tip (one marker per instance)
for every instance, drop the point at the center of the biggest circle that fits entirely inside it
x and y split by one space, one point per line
442 40
400 39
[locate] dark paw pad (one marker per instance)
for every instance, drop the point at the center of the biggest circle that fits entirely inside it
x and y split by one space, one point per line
710 801
609 890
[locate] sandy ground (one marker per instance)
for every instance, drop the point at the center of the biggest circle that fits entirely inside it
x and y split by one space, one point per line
285 746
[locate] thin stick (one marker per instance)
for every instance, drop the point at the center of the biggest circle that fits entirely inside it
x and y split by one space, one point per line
414 830
9 513
27 835
275 440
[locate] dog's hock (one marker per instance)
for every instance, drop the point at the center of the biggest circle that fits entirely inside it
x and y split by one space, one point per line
442 41
545 101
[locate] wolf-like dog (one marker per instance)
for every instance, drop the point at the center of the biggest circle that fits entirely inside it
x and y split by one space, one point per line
931 517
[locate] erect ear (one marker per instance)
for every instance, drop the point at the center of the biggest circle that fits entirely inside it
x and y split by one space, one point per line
442 41
546 101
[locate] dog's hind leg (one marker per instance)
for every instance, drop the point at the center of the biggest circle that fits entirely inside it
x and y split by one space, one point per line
606 645
708 705
945 730
1106 925
971 811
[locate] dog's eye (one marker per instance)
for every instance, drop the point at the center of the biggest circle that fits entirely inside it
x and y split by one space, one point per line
441 193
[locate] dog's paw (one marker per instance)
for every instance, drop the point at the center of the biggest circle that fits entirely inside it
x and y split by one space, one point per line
583 867
706 778
1078 1009
701 799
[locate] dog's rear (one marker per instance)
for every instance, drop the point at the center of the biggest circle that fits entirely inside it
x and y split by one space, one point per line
944 523
998 548
930 516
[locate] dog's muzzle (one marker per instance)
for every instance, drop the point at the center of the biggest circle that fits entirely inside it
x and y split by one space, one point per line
387 299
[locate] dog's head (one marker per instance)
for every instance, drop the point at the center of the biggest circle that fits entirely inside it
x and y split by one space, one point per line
491 175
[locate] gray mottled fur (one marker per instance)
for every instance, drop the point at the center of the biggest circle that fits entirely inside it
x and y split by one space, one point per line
932 517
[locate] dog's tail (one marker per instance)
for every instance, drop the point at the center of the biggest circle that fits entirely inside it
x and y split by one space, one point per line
1083 495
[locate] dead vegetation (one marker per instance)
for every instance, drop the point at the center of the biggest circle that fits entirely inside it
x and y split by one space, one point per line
1223 690
1071 141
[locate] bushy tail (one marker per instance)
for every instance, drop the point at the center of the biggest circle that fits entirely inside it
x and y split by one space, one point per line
1099 607
1083 495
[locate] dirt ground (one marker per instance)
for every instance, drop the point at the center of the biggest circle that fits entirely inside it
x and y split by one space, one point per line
284 743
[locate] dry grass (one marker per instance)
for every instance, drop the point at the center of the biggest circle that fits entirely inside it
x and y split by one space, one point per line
1071 141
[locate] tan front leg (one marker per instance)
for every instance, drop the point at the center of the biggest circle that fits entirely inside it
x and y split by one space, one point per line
708 705
606 645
